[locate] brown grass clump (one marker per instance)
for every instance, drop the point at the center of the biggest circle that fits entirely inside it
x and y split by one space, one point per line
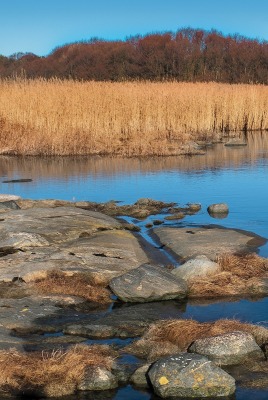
55 373
240 274
169 337
57 282
65 117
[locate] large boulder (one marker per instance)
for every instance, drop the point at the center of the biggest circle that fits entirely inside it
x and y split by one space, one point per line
210 241
200 266
148 283
229 348
189 376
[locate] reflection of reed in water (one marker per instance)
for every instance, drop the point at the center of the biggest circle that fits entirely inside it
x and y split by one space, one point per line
216 157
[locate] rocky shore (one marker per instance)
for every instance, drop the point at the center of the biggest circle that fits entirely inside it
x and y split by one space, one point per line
78 288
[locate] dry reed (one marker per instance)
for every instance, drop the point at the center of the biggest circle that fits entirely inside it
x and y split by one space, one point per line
57 282
239 274
58 117
55 373
170 337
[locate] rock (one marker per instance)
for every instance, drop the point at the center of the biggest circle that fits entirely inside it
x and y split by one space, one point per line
124 322
68 239
157 222
139 378
219 210
195 207
98 379
9 197
229 348
235 142
172 217
195 268
9 204
148 283
149 225
189 375
208 240
18 180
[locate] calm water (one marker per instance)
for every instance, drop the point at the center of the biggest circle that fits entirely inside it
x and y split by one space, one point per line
237 176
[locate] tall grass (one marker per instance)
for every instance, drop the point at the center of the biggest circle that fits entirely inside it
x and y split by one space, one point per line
58 117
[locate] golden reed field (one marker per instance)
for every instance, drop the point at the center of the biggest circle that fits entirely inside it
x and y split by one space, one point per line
64 117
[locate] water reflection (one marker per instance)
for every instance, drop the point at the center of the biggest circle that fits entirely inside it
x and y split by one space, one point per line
216 158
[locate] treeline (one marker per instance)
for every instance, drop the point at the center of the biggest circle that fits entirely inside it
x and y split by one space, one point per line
187 55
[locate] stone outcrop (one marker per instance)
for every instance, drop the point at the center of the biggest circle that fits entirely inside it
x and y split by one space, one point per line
210 241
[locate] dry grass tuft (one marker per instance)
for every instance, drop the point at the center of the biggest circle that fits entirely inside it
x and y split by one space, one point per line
169 337
57 117
240 274
57 282
55 373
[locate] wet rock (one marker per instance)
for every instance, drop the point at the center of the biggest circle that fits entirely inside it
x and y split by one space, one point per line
175 216
149 225
195 268
195 207
228 349
148 283
139 378
219 210
157 222
189 375
131 227
210 241
125 322
98 379
235 142
25 180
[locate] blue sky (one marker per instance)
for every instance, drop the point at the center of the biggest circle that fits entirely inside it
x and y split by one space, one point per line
39 26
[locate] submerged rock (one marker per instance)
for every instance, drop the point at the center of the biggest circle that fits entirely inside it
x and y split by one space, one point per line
235 142
229 348
189 376
128 321
148 283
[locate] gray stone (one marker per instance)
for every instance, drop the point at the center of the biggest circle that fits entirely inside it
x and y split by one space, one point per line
200 266
191 376
220 209
8 205
229 348
208 240
148 283
68 239
98 379
139 378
